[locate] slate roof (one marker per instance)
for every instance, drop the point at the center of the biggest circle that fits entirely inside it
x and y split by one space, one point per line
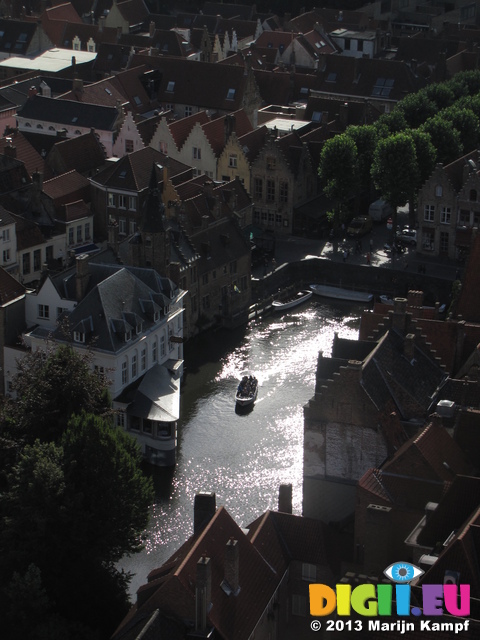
132 172
67 112
117 297
16 36
10 287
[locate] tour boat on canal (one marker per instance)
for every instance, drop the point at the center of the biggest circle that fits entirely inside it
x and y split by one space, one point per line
292 301
247 391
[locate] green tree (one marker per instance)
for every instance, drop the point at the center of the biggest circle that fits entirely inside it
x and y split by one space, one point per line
73 510
338 173
390 123
50 386
441 94
426 156
395 170
416 108
445 138
365 138
466 122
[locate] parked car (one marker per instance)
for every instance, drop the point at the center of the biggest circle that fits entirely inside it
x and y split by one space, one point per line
407 236
359 226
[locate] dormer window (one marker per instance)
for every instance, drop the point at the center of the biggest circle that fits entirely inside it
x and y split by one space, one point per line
138 328
128 335
78 336
156 316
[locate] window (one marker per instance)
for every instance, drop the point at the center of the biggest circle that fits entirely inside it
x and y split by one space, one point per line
132 203
444 242
299 605
429 213
120 419
233 266
232 160
383 87
6 255
197 153
205 278
124 372
79 233
26 263
162 346
346 45
278 220
359 45
464 217
143 359
270 191
163 147
438 190
283 191
87 231
258 188
111 199
78 336
44 311
132 227
445 215
188 111
128 146
122 226
154 350
37 260
6 235
70 235
309 572
271 162
428 239
473 195
206 302
134 366
122 202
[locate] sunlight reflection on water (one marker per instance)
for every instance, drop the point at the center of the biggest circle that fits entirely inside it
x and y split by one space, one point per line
244 458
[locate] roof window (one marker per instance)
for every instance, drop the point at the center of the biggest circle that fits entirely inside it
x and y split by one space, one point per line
332 77
171 86
383 87
230 94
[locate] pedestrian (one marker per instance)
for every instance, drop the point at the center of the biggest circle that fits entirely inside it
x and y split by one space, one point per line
274 264
368 257
371 245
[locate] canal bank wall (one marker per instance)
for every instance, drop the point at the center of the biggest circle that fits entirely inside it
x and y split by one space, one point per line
377 280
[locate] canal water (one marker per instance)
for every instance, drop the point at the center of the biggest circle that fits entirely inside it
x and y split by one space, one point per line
243 458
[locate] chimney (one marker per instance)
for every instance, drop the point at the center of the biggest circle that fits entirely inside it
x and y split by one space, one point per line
409 346
229 124
343 115
285 498
203 510
82 276
119 33
10 150
151 29
101 24
232 565
77 84
32 92
203 593
399 314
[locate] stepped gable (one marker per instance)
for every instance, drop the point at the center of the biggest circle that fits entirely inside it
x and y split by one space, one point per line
293 151
180 129
252 143
215 130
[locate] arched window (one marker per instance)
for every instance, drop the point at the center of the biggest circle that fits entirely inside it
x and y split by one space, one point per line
39 126
27 124
51 128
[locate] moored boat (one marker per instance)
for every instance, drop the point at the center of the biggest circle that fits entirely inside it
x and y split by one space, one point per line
293 301
339 293
247 391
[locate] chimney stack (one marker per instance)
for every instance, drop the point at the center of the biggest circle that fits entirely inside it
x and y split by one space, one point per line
203 593
232 565
82 276
203 510
409 346
285 498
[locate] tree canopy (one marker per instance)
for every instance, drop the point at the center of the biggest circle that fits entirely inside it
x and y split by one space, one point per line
75 501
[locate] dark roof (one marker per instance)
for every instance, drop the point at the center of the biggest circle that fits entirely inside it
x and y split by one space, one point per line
133 171
16 36
83 153
70 113
10 288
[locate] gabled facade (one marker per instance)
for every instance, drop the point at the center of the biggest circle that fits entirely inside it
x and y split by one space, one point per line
128 15
282 178
131 321
128 138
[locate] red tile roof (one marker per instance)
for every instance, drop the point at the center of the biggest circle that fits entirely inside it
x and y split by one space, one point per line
60 187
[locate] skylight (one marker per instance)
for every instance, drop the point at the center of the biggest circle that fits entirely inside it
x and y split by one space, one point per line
171 86
304 90
332 77
230 94
74 119
137 100
383 87
122 173
317 116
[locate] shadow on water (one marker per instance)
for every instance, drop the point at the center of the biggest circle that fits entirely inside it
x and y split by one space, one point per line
211 346
162 478
242 410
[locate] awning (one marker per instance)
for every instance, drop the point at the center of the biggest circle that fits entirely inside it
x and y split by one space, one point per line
157 397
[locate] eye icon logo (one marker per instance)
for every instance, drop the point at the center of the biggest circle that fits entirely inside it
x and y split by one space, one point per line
402 572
